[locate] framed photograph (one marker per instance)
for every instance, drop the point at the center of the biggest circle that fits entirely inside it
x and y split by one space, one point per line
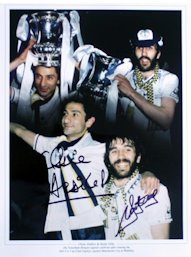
130 64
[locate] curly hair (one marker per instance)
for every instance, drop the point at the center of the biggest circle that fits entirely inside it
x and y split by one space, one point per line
134 141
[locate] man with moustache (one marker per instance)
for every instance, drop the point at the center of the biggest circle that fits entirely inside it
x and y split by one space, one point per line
76 172
149 93
132 214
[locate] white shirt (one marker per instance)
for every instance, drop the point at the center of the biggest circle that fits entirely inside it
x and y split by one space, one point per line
88 156
165 86
135 211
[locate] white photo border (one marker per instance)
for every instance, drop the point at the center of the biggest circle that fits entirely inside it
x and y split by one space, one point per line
61 248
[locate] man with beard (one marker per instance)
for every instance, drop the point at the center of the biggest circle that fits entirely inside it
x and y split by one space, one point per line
77 173
131 213
149 93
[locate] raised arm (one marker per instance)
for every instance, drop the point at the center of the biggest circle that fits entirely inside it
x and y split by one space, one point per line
22 57
25 134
